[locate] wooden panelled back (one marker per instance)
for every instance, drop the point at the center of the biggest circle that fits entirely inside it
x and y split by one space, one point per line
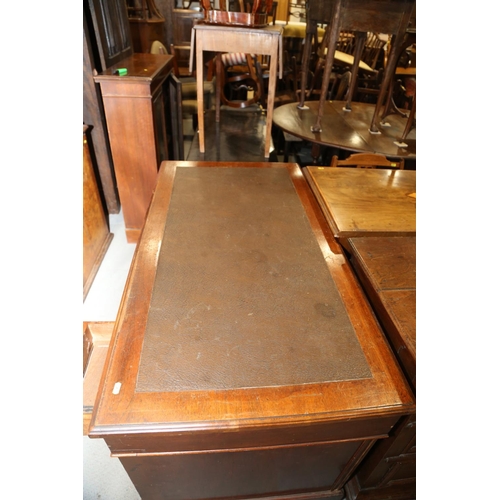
112 31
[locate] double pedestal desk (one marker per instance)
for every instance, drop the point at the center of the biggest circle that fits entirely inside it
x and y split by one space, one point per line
246 361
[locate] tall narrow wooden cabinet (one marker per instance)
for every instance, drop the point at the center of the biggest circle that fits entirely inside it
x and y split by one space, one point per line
136 107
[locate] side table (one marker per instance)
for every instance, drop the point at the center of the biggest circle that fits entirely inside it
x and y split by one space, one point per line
265 41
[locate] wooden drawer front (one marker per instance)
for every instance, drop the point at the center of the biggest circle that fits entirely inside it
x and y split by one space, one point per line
262 471
200 441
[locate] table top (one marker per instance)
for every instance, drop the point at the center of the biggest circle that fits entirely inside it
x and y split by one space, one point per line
386 267
239 312
346 130
366 202
140 67
271 29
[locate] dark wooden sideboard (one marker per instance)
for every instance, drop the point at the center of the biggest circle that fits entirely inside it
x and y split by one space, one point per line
373 215
136 107
386 268
245 361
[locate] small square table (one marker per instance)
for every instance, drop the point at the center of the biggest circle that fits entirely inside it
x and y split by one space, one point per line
218 38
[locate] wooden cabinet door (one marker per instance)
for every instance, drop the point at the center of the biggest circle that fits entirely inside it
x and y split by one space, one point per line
96 235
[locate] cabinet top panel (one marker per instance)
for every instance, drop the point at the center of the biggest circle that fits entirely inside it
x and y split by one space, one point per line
139 67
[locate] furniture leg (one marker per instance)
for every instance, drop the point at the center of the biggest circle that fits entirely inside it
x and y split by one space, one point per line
409 124
390 106
270 96
390 69
360 44
219 84
334 33
306 54
315 152
199 91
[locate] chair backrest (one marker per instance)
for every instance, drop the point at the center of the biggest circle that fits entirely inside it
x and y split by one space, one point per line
372 51
368 160
158 48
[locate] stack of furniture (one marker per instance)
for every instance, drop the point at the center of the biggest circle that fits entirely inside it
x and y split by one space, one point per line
390 17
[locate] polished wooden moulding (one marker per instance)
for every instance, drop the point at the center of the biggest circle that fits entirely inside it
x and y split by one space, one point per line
245 360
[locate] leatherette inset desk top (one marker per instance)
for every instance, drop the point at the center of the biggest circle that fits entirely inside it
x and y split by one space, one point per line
242 295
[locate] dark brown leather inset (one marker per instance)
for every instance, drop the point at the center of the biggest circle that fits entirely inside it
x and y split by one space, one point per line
243 297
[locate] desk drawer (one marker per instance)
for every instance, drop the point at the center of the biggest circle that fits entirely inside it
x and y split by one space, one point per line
318 470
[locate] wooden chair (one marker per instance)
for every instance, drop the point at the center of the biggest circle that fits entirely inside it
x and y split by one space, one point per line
342 65
368 160
239 85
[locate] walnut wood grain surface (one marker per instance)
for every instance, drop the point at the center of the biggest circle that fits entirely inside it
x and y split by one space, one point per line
386 267
366 202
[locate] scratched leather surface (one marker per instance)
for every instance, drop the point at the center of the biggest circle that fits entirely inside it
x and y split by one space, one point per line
242 296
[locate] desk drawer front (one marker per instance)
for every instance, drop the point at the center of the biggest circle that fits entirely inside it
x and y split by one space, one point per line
241 474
